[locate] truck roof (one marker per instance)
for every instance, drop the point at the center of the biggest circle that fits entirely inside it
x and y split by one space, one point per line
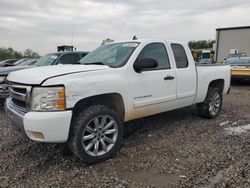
150 40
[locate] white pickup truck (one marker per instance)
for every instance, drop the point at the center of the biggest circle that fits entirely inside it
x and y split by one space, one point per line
87 105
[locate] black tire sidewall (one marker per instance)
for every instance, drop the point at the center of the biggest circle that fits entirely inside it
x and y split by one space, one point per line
204 107
213 92
80 122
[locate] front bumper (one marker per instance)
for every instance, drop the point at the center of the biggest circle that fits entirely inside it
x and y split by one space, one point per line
40 126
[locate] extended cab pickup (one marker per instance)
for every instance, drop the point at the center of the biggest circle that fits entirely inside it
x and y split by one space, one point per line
87 105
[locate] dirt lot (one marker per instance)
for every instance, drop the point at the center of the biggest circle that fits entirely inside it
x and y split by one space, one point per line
174 149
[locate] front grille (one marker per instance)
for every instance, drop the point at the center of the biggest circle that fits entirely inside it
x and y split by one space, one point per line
20 96
20 90
19 103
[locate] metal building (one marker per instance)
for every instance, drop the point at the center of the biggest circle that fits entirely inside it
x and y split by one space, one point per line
235 39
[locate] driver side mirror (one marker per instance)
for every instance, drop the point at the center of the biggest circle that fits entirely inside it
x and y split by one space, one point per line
144 64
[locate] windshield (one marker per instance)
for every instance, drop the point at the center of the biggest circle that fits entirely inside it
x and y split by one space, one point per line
19 61
48 59
28 62
113 55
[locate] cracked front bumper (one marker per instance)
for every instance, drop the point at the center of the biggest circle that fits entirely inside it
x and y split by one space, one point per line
53 126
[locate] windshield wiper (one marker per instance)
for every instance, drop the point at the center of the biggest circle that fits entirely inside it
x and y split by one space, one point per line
98 63
94 63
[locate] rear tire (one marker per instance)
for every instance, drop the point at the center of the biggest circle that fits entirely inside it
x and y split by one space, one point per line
211 107
96 134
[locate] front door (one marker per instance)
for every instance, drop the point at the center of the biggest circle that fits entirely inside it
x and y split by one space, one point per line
154 90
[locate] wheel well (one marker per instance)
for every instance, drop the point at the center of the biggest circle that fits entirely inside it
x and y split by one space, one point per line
112 100
218 84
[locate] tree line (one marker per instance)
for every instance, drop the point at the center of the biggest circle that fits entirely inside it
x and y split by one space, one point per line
10 53
201 44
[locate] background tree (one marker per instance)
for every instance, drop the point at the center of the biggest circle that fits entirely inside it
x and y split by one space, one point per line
108 40
30 53
6 53
201 44
17 55
10 53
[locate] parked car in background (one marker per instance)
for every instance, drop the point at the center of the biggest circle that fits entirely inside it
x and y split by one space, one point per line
237 55
240 68
87 105
61 58
49 59
28 62
16 63
205 61
7 61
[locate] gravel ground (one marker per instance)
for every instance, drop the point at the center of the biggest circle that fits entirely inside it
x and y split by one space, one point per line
173 149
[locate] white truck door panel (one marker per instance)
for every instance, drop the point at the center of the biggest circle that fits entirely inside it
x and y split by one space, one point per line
154 90
186 76
157 89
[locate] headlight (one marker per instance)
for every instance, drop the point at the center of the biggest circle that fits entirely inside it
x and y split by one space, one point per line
48 99
2 78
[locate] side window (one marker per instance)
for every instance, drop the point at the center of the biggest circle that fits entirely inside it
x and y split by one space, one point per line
180 56
69 59
158 52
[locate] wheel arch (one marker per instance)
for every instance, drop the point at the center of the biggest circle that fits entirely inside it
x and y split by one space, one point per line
112 100
218 83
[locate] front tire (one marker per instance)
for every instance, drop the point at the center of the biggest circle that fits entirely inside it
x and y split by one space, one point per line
211 107
96 134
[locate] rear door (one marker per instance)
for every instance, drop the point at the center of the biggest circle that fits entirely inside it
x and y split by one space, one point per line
185 75
154 90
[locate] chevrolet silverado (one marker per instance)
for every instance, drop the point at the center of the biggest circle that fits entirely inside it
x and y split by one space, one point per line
87 105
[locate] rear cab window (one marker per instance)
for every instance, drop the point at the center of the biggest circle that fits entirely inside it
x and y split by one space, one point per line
180 56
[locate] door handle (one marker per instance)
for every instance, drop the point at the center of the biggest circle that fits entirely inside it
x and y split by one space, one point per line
168 77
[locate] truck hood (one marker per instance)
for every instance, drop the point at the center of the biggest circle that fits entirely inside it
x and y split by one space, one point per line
4 71
37 75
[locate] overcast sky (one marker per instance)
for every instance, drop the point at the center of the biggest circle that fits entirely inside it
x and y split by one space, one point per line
44 24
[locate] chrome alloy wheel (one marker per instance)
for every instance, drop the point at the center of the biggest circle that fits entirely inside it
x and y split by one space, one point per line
214 105
99 135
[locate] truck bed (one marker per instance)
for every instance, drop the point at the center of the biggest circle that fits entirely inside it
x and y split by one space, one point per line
208 65
208 72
